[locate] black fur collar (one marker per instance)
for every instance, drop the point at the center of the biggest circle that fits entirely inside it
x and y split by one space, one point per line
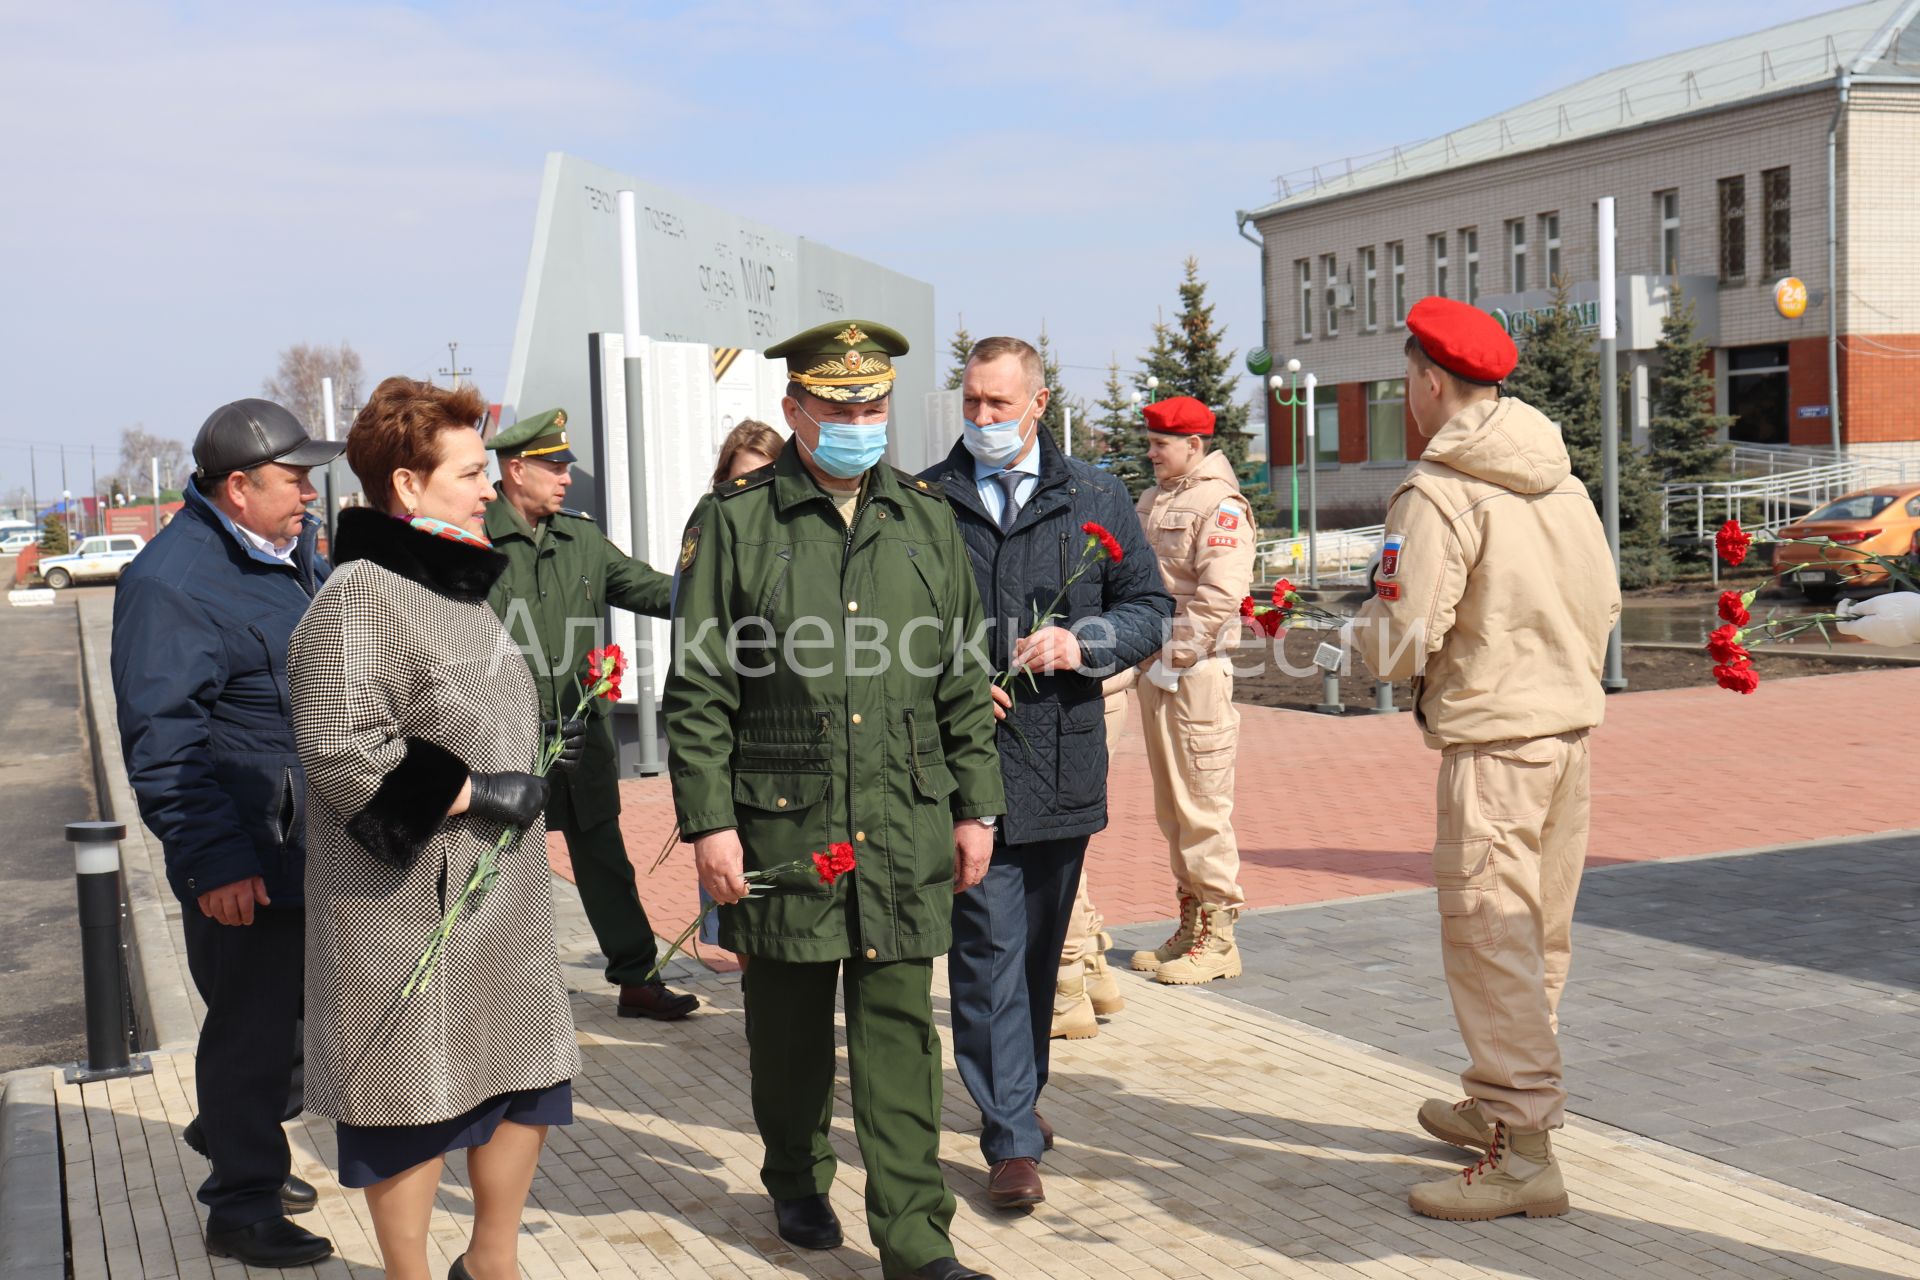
440 564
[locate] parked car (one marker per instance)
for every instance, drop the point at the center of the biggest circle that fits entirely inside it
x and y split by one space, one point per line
1885 521
95 559
12 544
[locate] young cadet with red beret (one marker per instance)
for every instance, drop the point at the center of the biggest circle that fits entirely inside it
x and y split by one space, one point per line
1200 527
1495 594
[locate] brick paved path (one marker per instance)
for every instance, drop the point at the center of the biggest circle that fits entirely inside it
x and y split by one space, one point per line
1336 807
1289 1156
1762 1009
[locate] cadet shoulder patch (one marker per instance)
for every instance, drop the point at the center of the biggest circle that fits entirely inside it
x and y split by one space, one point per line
743 484
1387 590
1390 553
1221 540
689 548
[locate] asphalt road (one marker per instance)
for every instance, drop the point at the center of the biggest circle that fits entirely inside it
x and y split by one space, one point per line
46 781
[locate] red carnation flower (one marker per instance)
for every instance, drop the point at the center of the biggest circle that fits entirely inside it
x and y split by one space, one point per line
1109 545
1740 676
1733 608
1247 609
1732 542
607 664
834 863
1724 646
1272 621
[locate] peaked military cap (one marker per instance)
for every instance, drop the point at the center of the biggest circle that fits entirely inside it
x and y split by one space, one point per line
846 361
544 435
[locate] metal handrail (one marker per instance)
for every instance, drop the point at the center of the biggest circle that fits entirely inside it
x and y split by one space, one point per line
1343 553
1765 504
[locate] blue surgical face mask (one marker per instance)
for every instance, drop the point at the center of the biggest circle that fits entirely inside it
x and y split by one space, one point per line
997 443
848 449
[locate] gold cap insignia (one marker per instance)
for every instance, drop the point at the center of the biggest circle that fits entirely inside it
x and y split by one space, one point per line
559 417
741 483
854 361
850 335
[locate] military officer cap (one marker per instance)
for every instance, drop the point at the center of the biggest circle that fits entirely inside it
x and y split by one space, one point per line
845 361
1179 416
1464 340
543 436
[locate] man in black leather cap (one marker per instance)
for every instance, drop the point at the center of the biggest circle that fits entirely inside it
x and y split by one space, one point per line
201 621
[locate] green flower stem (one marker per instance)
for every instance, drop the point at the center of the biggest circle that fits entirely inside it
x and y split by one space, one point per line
759 885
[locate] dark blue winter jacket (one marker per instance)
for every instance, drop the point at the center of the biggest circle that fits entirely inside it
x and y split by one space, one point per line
200 629
1053 744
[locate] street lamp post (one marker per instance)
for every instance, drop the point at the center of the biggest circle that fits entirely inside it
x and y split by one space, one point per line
1291 402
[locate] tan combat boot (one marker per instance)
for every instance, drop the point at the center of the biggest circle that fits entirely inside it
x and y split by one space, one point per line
1212 954
1072 1010
1462 1124
1517 1175
1102 987
1175 946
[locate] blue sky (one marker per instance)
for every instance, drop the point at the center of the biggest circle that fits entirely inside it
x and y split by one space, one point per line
197 186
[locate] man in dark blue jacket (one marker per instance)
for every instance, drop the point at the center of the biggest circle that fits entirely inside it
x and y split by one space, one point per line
1021 505
201 620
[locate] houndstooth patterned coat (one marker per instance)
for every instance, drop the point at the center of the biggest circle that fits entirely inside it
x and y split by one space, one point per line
403 682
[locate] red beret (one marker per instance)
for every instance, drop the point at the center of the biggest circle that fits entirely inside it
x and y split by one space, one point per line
1179 416
1462 339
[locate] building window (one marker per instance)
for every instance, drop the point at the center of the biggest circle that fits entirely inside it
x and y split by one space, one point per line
1397 259
1666 249
1330 271
1517 256
1326 426
1370 281
1470 245
1550 236
1776 188
1305 269
1733 230
1387 420
1438 245
1757 394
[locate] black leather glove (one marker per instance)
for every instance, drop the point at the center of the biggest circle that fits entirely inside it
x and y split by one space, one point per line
573 742
515 799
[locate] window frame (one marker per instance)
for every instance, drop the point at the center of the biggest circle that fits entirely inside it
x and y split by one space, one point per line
1776 225
1397 269
1304 316
1470 249
1550 238
1437 251
1517 255
1370 282
1666 232
1326 444
1399 427
1730 203
1330 269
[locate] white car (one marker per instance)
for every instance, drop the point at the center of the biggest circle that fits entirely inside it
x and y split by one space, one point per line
16 542
95 559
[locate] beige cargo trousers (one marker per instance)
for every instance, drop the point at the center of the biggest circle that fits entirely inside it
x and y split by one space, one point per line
1510 844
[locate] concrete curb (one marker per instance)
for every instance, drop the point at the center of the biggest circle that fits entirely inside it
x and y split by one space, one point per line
166 1008
33 1238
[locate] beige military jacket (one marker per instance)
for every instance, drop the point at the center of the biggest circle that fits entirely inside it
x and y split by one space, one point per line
1202 530
1495 591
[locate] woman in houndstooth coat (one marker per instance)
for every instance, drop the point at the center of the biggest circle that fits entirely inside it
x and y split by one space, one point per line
417 722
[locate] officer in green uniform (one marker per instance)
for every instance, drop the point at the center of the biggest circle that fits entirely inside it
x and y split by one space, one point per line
821 693
561 574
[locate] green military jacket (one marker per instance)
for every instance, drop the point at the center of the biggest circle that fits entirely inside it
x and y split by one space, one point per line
552 599
797 742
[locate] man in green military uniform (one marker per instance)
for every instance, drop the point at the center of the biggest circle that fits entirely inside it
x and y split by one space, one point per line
822 692
561 574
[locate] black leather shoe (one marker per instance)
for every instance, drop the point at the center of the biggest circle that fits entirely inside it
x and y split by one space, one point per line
297 1195
458 1271
808 1222
655 1000
946 1269
271 1242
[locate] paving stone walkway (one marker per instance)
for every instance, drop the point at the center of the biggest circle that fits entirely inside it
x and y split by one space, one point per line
1762 1009
1200 1137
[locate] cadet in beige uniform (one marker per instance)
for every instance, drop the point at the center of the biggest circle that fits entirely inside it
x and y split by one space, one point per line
1495 593
1087 990
1199 524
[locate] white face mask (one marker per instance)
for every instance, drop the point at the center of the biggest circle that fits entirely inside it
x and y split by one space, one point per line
997 443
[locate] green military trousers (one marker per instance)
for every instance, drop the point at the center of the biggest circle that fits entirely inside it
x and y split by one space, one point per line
893 1065
608 891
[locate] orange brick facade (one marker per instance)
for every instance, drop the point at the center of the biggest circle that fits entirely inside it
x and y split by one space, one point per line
1879 388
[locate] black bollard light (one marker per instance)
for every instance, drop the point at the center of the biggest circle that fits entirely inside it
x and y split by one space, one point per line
1330 658
96 864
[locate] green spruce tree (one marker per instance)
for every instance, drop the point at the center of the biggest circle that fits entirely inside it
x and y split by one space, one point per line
1559 374
1060 400
54 538
1206 369
1683 431
958 347
1123 438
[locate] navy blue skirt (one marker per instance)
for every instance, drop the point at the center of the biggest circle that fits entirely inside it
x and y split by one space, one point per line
374 1153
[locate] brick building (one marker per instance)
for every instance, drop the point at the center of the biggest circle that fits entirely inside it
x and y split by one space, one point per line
1717 159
